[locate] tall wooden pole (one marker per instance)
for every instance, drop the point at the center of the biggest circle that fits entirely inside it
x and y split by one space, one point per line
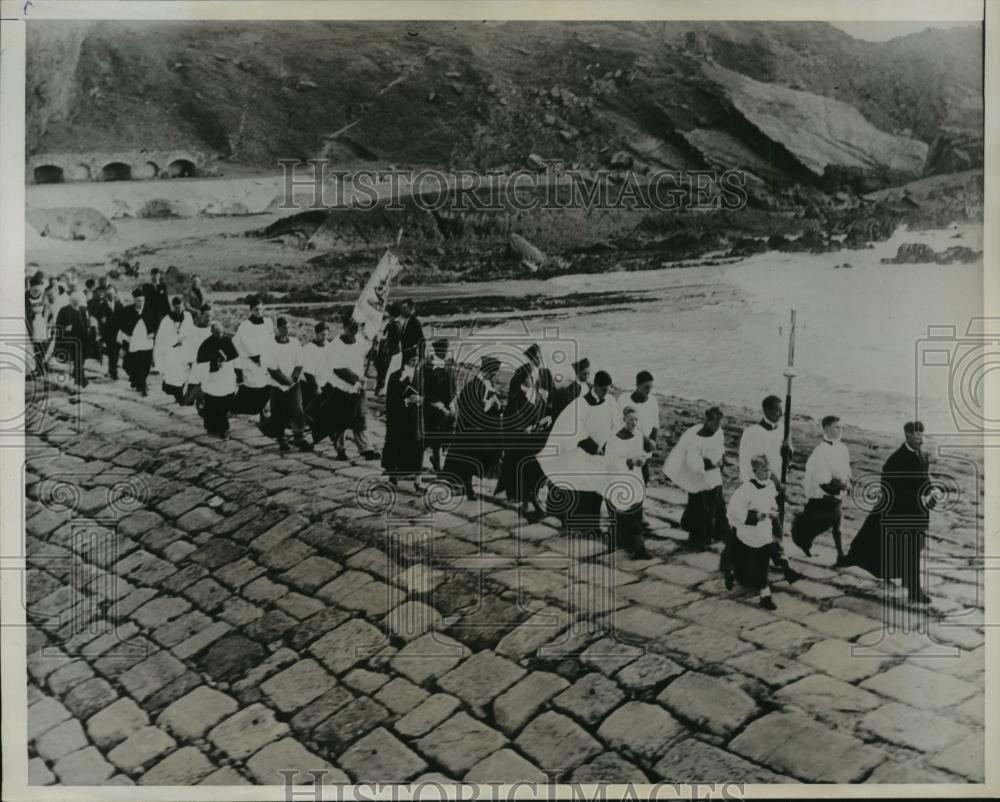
789 374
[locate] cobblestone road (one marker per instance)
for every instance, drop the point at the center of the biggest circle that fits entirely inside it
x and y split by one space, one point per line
266 621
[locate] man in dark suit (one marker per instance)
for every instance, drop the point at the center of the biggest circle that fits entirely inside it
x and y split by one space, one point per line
889 543
411 332
108 313
71 336
157 300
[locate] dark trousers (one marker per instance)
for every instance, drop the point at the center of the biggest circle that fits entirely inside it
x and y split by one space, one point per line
137 365
626 528
286 411
72 352
113 349
215 413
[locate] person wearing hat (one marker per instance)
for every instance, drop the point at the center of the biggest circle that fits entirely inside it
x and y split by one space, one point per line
695 465
169 351
283 362
71 336
580 385
403 454
388 346
315 360
476 443
438 383
890 541
577 469
254 337
216 373
828 476
136 331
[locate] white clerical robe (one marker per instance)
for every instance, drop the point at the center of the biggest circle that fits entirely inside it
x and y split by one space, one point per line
828 461
169 352
570 464
685 466
626 488
252 340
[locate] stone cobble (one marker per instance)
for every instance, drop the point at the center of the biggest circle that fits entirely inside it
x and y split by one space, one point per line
266 622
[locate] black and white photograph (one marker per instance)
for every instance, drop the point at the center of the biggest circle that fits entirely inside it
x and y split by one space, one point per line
497 407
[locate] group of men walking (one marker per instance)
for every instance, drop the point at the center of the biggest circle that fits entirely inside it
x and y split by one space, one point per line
75 323
573 451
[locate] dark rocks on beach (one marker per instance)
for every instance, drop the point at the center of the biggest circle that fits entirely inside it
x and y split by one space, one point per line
920 253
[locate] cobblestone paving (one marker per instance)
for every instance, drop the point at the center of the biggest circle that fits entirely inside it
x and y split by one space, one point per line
206 612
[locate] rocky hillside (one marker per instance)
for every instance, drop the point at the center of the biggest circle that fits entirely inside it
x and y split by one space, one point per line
795 104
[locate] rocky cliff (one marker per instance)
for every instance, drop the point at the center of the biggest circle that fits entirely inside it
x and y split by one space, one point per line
784 101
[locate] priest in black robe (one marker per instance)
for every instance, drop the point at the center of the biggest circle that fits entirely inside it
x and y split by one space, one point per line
403 452
438 377
890 541
476 446
138 340
562 397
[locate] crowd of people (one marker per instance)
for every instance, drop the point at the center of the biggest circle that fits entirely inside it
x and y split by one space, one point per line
576 451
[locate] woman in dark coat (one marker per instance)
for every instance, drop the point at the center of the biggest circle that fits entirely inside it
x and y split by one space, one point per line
403 453
889 543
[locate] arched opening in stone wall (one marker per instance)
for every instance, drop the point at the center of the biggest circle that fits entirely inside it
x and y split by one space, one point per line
48 174
148 170
182 168
80 172
116 171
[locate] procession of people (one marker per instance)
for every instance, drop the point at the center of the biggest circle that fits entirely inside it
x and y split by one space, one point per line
575 451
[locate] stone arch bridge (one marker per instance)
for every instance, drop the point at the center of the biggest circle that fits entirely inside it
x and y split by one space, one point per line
58 168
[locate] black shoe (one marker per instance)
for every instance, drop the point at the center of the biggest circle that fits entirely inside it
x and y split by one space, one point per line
791 575
303 445
919 598
768 603
842 562
470 494
728 578
283 445
641 554
341 455
370 454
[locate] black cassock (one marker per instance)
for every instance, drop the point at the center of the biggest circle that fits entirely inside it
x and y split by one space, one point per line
403 452
439 386
889 543
476 443
520 474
